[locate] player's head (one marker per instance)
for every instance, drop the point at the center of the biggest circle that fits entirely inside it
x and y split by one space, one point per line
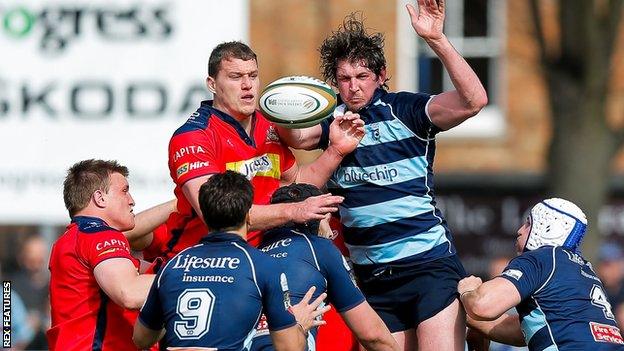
353 61
225 200
233 79
552 222
101 188
298 192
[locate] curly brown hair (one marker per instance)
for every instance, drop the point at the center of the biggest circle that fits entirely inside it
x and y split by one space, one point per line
353 43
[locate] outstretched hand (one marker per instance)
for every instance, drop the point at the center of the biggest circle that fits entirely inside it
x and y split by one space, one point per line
315 208
308 314
428 20
345 132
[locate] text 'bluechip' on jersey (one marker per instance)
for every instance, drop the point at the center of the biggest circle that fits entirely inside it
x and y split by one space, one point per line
310 260
564 305
389 209
212 295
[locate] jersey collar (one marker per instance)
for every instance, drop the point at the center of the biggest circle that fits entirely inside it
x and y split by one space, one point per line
90 224
233 122
216 237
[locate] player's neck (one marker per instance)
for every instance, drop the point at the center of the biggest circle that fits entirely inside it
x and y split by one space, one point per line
242 232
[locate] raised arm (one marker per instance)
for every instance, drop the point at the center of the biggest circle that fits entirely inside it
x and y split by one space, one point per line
304 138
345 133
146 221
450 108
270 216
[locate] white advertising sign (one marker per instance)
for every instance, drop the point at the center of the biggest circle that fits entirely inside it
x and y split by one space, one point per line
99 79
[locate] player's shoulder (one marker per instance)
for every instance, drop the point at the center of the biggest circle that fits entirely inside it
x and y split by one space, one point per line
198 120
543 252
405 98
255 254
321 242
543 256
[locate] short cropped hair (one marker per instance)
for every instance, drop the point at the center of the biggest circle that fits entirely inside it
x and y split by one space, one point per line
351 42
298 192
225 199
84 178
229 50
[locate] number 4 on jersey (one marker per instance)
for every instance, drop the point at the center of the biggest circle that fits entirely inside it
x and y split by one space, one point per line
599 299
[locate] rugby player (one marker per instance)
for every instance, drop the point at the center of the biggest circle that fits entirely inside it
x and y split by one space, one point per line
561 302
211 295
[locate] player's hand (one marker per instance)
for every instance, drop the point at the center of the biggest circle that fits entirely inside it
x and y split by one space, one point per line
325 230
307 314
468 284
345 132
314 207
428 20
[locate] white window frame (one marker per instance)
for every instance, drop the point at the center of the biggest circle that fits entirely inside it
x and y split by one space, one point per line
490 123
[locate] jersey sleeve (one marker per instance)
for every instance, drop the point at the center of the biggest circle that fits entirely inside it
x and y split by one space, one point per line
341 288
97 247
530 271
193 154
275 296
411 109
151 314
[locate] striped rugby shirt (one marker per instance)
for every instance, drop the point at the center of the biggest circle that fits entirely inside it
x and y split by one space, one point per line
389 212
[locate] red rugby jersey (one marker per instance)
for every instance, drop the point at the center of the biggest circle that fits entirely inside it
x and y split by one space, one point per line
83 316
212 142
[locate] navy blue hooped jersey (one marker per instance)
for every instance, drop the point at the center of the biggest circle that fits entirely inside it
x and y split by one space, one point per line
212 295
564 305
310 260
389 212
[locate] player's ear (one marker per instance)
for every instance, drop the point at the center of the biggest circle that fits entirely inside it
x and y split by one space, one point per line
248 219
99 198
381 79
210 83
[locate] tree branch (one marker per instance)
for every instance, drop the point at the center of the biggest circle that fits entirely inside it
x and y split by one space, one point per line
539 32
614 16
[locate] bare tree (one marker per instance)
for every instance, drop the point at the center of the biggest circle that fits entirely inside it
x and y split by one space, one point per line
577 68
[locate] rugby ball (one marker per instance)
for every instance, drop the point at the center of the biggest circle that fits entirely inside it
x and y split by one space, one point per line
297 101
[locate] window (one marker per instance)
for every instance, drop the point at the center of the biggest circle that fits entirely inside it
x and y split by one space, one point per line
475 27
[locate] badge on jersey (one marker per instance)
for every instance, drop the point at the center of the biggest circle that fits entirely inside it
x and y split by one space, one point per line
271 135
285 291
513 273
606 333
347 266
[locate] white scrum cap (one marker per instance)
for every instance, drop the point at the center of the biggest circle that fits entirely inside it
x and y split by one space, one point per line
556 222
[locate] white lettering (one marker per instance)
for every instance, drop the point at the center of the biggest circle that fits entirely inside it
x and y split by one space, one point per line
280 243
114 242
187 262
188 150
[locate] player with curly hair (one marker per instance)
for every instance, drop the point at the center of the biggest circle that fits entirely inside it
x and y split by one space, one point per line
401 247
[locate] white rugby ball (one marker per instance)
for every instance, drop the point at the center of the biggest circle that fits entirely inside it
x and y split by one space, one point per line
297 101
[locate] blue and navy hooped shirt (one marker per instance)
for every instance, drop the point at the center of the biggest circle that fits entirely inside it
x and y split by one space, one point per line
389 211
564 305
212 295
